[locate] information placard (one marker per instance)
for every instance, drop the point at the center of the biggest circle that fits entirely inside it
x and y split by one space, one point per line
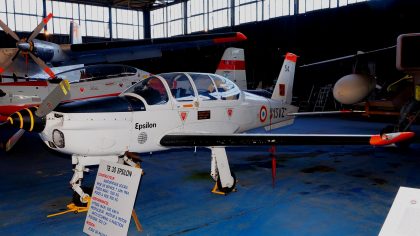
404 217
112 199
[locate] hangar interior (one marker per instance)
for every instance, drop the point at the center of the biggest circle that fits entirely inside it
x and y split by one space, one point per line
272 27
319 190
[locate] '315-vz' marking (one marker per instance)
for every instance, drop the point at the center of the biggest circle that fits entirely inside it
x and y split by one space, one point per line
277 112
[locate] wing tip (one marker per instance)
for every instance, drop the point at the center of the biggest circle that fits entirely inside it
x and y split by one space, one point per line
240 36
390 138
237 38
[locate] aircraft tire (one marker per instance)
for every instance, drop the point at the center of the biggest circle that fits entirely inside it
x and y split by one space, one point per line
76 197
226 190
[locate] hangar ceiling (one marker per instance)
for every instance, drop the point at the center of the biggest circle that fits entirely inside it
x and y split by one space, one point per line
129 4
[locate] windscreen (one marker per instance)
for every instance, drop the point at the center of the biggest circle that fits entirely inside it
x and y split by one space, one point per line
151 89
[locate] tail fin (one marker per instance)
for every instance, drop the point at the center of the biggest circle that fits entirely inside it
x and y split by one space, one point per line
232 66
75 35
284 86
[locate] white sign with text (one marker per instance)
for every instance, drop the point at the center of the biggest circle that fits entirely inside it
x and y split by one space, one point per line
112 199
404 217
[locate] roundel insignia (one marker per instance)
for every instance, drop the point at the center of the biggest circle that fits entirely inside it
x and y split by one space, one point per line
263 114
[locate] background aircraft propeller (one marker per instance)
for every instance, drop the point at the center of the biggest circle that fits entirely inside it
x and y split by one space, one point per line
33 119
26 47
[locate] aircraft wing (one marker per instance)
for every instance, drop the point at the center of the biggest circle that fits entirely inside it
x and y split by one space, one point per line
209 140
115 51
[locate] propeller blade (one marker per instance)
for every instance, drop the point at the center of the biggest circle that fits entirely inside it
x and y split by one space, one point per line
42 64
13 140
58 94
6 61
38 29
7 30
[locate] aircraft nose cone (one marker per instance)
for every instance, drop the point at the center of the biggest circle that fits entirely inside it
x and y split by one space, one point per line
24 46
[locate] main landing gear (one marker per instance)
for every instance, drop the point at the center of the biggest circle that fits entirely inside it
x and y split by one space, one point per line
220 172
81 195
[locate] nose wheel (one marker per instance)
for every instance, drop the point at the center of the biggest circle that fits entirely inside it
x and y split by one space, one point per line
76 199
219 189
81 195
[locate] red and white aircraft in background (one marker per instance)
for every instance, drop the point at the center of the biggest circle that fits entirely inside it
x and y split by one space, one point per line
98 81
15 62
173 110
88 82
232 66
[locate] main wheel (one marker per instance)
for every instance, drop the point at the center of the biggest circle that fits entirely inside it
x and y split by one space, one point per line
76 197
226 189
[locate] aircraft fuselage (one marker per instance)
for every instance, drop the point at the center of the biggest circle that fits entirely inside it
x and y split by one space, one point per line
112 126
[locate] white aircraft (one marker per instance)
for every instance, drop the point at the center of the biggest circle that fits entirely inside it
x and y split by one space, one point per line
98 81
174 110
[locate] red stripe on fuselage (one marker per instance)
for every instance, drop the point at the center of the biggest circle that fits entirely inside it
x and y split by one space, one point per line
26 83
231 65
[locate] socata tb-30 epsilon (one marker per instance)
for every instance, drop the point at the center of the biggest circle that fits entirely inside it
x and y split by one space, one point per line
173 110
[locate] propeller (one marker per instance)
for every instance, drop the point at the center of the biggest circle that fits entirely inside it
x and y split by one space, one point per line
33 119
26 46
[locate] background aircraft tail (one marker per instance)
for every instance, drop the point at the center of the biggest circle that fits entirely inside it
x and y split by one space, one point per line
75 34
284 86
232 66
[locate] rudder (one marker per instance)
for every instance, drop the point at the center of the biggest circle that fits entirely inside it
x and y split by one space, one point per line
75 35
284 86
232 66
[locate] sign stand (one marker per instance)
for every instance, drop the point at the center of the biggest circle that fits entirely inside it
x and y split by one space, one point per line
76 209
136 221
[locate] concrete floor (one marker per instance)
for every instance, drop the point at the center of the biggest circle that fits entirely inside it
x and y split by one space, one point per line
320 190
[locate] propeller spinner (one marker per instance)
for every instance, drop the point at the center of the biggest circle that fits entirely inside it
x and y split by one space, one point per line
33 119
26 46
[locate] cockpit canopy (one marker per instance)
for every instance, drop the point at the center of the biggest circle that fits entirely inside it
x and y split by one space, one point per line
185 87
